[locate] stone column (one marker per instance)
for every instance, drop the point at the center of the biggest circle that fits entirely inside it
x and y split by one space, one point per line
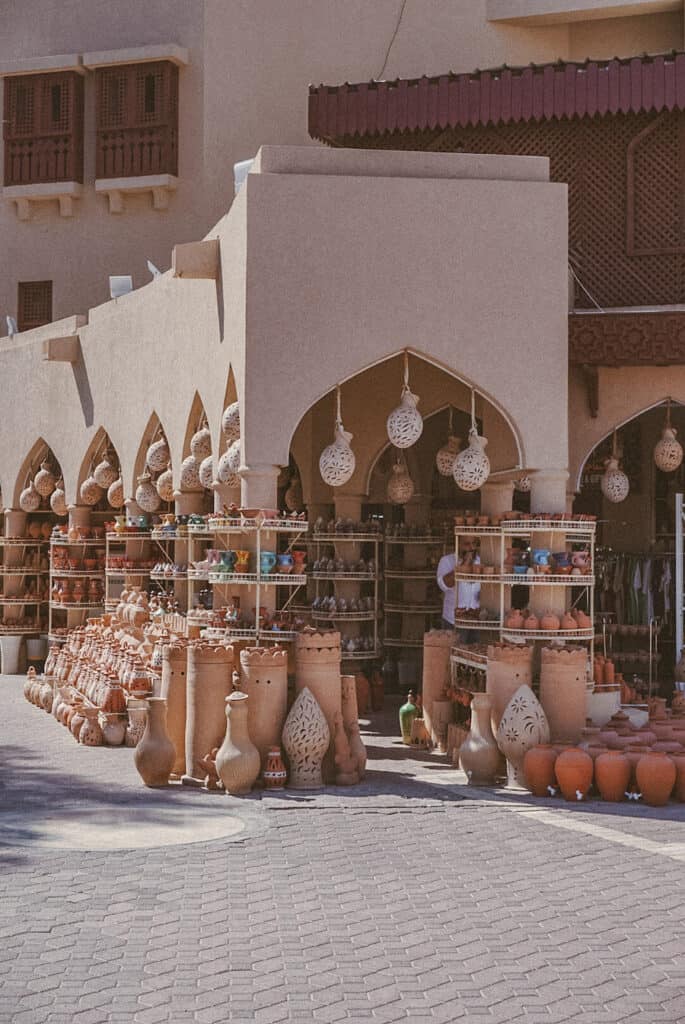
317 667
259 485
208 683
79 515
225 495
15 523
496 497
548 490
264 677
174 674
187 502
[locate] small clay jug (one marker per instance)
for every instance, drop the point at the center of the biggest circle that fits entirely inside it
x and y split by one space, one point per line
538 769
656 776
612 775
479 755
155 754
573 769
238 761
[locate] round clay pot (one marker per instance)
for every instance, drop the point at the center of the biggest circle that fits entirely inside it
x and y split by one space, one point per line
538 769
612 775
656 776
76 722
679 791
667 747
633 753
573 770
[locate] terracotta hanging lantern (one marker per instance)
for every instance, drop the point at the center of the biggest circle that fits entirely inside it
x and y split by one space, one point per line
472 466
445 456
614 483
400 485
29 499
157 456
90 491
230 422
44 481
146 494
668 453
337 462
522 485
226 472
58 502
165 485
115 493
293 498
207 472
405 423
105 473
190 474
201 444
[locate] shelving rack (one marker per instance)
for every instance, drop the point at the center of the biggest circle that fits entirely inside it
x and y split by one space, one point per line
364 545
411 598
14 576
81 548
199 539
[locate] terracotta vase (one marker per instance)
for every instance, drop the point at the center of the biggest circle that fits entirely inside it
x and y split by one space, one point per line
264 677
155 753
573 769
612 775
317 668
350 713
173 690
656 776
76 721
679 790
208 683
90 734
538 769
306 738
113 728
479 756
274 774
237 761
523 726
137 718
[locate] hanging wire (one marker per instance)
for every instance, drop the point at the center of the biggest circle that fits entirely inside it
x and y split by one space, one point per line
449 430
338 408
474 425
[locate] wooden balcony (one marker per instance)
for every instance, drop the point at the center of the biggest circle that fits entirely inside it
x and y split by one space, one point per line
42 159
137 152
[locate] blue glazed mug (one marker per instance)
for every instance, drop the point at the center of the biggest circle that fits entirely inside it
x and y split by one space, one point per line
228 560
285 563
267 562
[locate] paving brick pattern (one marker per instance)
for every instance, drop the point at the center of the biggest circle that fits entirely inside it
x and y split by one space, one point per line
399 902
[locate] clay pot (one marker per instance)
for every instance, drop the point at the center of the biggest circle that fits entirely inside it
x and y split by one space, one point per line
573 770
550 622
538 769
237 761
612 775
208 684
274 774
155 753
113 728
76 721
679 791
656 776
509 668
173 689
264 676
408 712
479 756
532 622
514 619
137 718
90 734
563 691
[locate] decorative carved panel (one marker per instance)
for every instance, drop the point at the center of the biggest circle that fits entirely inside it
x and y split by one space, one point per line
627 339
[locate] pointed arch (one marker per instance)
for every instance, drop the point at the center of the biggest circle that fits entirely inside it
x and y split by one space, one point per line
39 452
197 418
100 445
154 431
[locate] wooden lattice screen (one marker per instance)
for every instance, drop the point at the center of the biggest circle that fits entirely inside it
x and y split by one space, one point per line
43 129
34 304
594 155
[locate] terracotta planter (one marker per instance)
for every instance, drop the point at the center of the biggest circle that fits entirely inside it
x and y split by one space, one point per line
612 775
264 677
173 690
656 776
479 755
437 644
573 769
208 683
563 691
306 737
238 761
155 754
538 769
137 718
523 726
350 715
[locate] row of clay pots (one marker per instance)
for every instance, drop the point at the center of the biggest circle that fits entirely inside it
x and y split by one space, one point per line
653 774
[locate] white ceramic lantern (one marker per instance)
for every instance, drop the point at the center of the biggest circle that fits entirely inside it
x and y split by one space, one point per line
400 485
105 474
90 491
230 422
29 499
207 472
472 466
668 453
58 501
165 485
146 494
405 423
337 461
157 457
44 481
190 474
115 493
227 470
201 444
614 483
523 484
444 458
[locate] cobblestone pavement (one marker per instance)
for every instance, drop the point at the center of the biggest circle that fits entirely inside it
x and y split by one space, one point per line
399 900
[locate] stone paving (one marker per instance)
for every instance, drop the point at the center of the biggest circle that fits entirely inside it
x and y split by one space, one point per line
410 898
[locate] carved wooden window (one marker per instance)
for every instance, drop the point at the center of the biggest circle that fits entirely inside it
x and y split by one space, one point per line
34 304
655 201
137 120
43 128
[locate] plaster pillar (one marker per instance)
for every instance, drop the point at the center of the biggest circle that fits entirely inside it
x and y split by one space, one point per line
259 485
133 509
496 497
187 502
15 523
548 490
225 496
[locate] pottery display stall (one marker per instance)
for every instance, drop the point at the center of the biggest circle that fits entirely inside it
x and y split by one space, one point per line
208 683
264 677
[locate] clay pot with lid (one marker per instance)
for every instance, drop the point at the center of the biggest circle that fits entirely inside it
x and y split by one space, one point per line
538 769
656 776
612 775
531 622
573 769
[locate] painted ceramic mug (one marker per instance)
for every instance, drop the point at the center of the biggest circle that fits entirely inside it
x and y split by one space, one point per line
285 563
267 561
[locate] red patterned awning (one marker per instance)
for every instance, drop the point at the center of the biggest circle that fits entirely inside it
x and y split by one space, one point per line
499 96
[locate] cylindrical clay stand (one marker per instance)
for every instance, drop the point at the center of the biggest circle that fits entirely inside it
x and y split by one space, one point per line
563 691
264 676
173 690
317 667
437 644
209 682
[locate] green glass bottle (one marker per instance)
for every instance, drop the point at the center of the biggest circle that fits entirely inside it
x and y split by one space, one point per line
408 713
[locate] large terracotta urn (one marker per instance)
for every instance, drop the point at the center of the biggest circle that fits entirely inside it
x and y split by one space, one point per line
154 756
437 644
563 691
479 756
509 667
679 790
522 726
317 668
238 761
656 776
573 769
538 769
612 775
209 682
306 738
264 677
173 690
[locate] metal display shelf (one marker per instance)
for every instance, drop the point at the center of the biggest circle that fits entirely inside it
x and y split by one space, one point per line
167 535
412 609
359 655
548 634
524 580
123 537
320 616
81 605
470 659
409 574
22 600
343 576
121 573
267 525
66 543
20 570
252 578
21 542
74 574
201 575
415 540
352 538
488 624
8 630
470 531
169 577
396 641
522 527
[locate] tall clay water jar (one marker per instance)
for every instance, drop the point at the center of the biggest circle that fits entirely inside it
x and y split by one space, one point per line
173 690
208 683
264 677
317 667
437 644
509 668
563 691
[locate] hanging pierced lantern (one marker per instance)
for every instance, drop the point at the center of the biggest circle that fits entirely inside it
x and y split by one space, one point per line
472 466
115 493
523 484
293 497
614 483
444 458
405 424
165 485
229 463
668 453
146 494
44 481
105 474
190 474
207 472
29 499
157 457
400 485
90 491
58 500
201 444
337 461
230 422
